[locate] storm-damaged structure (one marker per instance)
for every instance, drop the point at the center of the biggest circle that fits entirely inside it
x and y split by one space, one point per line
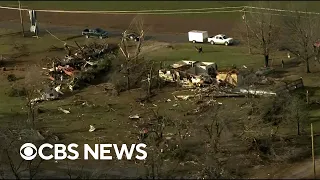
197 73
77 69
192 74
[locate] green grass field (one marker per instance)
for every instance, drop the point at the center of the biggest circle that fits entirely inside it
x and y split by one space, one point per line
224 56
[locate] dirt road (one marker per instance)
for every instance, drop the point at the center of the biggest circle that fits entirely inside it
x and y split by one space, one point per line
299 170
76 30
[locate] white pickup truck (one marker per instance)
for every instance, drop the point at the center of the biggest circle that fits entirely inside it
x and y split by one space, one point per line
220 39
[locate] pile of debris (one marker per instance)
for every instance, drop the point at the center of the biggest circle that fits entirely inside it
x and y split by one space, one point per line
77 69
190 74
206 80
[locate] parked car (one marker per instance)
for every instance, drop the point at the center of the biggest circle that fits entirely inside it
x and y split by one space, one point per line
132 36
197 36
220 39
95 32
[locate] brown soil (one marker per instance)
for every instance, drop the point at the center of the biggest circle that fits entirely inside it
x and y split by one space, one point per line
155 23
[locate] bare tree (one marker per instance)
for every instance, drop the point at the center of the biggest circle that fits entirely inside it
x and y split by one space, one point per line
296 112
16 167
300 33
261 32
136 26
31 85
215 126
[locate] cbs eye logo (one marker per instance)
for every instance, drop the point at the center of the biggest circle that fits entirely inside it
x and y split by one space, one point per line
28 151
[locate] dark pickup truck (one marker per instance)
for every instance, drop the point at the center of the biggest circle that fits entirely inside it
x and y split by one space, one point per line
95 32
131 36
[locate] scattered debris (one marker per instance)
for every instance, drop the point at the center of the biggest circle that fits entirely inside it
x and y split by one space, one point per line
49 94
228 77
134 117
175 105
264 71
168 100
92 128
257 92
184 97
77 69
58 89
63 110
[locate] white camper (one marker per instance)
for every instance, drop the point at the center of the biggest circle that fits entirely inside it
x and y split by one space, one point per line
198 36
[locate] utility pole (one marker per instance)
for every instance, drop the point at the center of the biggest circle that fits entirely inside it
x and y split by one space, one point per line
313 161
244 17
21 18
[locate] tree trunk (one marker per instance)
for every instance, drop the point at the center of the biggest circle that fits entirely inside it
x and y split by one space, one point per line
298 122
266 60
128 78
308 66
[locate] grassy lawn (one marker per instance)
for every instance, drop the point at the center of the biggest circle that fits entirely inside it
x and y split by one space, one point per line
224 56
10 39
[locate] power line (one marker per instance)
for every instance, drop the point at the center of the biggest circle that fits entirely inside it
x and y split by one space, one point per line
282 10
137 11
190 12
273 14
176 11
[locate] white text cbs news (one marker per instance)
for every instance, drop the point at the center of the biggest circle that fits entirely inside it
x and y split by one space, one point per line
29 151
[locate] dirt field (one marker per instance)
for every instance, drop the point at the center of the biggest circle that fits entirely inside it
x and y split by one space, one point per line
154 23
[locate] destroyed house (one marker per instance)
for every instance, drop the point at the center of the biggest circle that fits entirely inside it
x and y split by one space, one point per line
183 65
195 67
195 70
203 68
232 77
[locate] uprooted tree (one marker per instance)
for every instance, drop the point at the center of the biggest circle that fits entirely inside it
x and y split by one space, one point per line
261 33
300 33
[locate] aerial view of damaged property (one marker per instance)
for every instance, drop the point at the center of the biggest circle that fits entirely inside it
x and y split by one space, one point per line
159 89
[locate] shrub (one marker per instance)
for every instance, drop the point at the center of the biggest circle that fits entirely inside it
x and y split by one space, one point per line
15 92
11 77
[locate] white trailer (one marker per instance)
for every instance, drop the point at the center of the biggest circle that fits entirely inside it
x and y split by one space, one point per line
198 36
